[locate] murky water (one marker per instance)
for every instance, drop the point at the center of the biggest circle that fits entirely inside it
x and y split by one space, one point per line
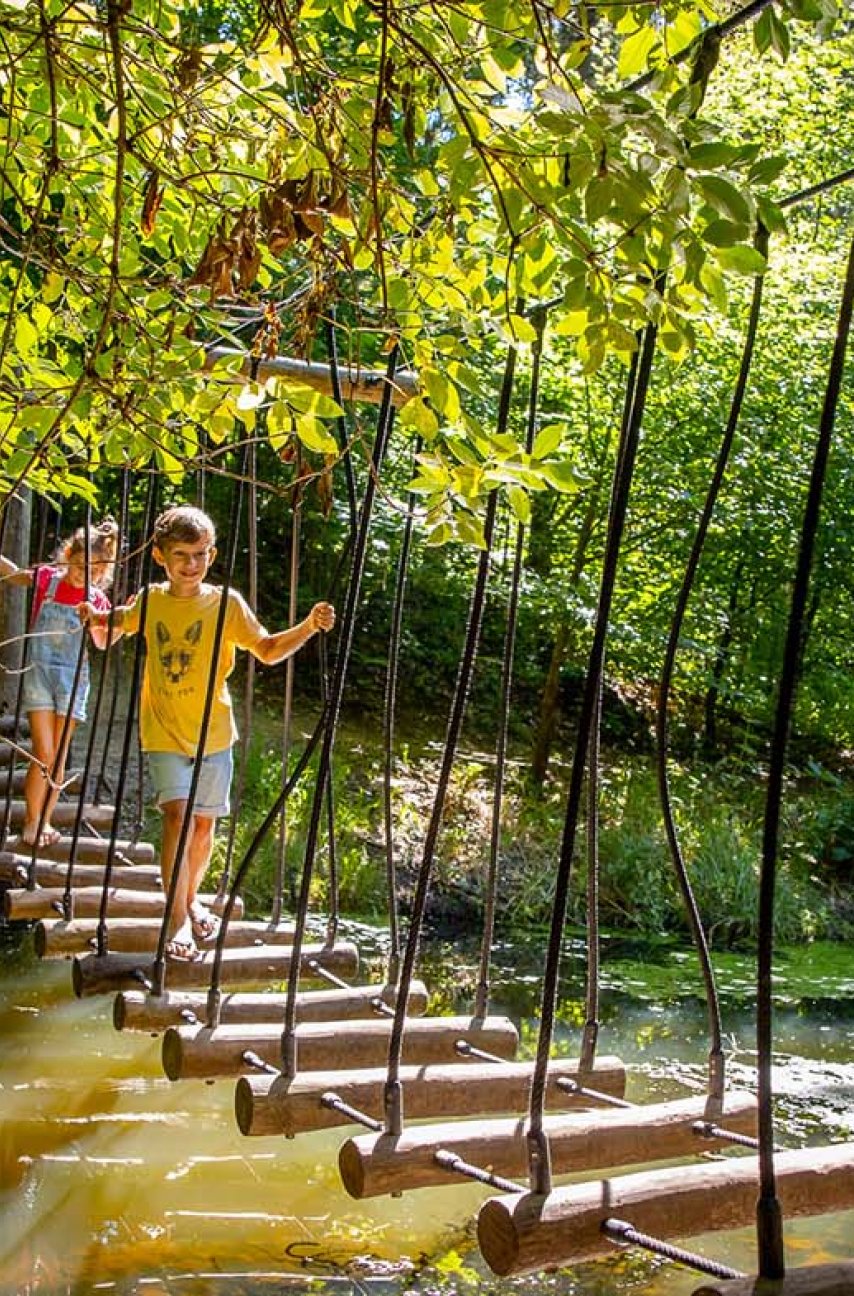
113 1179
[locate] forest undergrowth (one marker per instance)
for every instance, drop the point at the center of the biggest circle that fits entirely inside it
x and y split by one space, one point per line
718 806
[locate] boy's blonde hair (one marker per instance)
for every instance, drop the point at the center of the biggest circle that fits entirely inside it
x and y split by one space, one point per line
182 523
103 547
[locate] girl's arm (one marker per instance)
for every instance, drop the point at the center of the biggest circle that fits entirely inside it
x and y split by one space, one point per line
98 621
13 574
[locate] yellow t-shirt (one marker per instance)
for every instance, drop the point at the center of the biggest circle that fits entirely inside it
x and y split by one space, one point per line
179 636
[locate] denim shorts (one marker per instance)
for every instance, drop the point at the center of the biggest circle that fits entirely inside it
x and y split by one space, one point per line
47 687
172 772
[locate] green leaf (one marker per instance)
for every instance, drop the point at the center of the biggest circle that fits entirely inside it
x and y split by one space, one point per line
547 440
724 196
742 258
562 476
724 233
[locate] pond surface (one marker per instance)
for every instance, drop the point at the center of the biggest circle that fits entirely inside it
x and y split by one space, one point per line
115 1180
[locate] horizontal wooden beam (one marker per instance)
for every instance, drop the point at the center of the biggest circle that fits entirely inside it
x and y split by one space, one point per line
14 871
197 1052
58 939
374 1165
267 1104
525 1232
122 902
357 384
135 1010
65 815
834 1279
90 850
102 974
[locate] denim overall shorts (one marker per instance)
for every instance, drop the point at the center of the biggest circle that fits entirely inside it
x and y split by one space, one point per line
54 649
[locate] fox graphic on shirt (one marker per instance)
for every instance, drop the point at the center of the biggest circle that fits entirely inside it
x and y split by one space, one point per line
176 656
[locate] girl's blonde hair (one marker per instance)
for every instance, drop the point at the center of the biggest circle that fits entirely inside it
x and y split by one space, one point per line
103 547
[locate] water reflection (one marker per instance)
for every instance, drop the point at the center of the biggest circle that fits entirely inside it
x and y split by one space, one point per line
115 1180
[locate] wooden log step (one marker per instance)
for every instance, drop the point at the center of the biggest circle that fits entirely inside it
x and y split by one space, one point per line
123 902
192 1052
57 939
14 870
19 776
135 1010
266 1104
92 974
90 850
833 1279
373 1165
524 1232
65 814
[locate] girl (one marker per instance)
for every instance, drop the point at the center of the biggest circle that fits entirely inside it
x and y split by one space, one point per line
54 649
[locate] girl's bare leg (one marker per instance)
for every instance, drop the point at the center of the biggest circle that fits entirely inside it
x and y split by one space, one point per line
45 734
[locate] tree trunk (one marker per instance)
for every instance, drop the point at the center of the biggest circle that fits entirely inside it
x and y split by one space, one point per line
13 601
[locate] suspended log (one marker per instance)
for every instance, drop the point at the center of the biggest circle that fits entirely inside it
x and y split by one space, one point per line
373 1165
196 1051
65 814
122 902
524 1232
365 385
135 1010
90 850
14 870
95 974
58 939
834 1279
266 1104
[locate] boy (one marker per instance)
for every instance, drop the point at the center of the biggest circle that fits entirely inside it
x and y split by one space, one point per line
180 628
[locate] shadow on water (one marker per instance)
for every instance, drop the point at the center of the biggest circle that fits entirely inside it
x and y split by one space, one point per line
114 1180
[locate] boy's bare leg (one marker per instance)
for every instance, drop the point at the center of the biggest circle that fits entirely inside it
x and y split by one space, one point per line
173 818
186 912
199 849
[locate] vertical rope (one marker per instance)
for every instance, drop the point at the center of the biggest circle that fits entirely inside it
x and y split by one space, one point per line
393 1096
491 888
385 420
539 1158
389 705
768 1213
130 718
716 1057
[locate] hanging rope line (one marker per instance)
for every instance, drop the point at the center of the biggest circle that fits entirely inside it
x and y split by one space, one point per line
94 727
716 1064
481 1007
538 1154
385 421
389 705
393 1097
130 718
768 1213
116 659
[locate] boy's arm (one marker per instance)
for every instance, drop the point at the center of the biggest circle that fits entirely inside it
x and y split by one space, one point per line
12 574
273 648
